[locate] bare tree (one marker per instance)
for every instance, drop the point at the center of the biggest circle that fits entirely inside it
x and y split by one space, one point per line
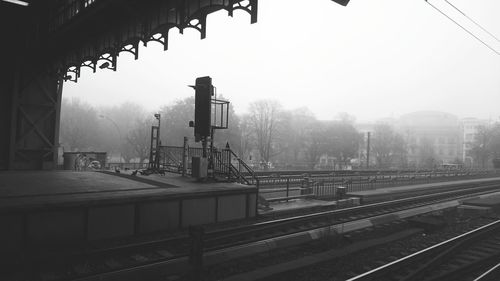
341 139
247 138
139 138
264 121
315 145
486 144
388 147
175 119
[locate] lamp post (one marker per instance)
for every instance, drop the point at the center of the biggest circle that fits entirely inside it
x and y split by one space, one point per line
119 133
368 150
158 142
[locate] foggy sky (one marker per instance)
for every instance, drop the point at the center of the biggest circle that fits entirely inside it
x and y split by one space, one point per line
372 59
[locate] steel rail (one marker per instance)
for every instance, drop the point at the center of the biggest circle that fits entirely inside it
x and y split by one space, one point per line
442 247
156 266
407 203
247 234
490 274
217 237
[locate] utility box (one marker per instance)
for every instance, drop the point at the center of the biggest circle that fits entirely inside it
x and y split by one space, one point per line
69 160
199 167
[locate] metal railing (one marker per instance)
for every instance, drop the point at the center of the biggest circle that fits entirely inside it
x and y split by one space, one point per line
326 187
225 163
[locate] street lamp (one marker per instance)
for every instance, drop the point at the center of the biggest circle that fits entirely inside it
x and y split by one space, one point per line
158 142
117 129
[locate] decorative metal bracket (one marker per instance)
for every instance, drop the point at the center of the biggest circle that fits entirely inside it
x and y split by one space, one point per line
153 25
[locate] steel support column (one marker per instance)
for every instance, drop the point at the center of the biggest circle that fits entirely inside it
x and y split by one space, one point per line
35 113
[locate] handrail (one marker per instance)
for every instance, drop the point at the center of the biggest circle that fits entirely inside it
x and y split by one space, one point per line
247 168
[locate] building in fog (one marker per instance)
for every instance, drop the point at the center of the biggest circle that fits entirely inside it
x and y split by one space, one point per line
433 137
439 136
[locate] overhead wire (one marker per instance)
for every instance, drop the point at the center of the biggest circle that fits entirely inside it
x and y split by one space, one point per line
465 29
460 11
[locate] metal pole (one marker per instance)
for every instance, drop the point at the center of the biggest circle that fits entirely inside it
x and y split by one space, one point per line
229 163
211 162
368 151
196 234
185 157
158 143
287 188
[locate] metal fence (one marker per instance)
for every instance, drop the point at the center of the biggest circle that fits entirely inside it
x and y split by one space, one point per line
327 187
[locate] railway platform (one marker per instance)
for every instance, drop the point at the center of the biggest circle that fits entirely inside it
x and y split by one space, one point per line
55 209
390 193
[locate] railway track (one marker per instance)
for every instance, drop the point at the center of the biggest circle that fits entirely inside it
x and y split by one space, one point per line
114 263
464 257
490 274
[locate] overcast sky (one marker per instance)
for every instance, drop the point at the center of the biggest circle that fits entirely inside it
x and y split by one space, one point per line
372 59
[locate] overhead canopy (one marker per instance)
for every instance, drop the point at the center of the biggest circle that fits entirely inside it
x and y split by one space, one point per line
69 34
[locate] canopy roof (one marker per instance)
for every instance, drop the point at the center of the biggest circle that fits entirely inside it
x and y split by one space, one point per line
69 34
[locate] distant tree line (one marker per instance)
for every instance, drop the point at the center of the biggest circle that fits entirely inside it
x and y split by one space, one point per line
122 131
266 134
486 146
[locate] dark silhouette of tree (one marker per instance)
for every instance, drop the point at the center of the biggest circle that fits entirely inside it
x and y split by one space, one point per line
486 145
247 138
139 138
341 140
315 143
175 122
388 147
79 130
400 152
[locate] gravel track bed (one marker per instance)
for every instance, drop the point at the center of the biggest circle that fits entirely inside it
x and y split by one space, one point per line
354 264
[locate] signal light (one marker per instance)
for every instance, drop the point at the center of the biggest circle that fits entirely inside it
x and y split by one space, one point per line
203 107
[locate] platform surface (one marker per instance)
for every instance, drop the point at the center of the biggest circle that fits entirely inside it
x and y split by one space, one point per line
408 188
29 189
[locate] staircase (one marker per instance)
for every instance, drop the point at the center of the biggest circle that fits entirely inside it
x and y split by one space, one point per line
223 159
240 172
